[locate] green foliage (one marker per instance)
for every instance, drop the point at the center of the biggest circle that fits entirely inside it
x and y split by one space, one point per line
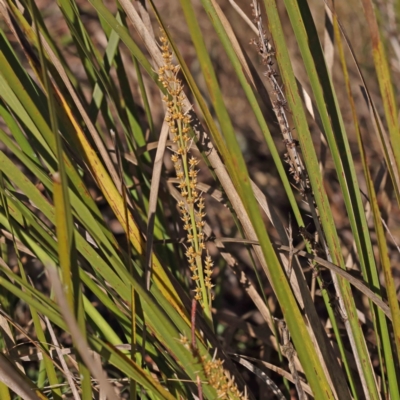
113 250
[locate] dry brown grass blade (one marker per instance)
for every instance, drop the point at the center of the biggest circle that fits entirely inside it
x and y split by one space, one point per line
339 271
29 355
146 36
302 293
329 49
203 187
68 374
247 284
9 342
261 374
38 355
155 183
289 352
243 15
17 382
141 150
20 246
239 358
79 341
234 41
145 16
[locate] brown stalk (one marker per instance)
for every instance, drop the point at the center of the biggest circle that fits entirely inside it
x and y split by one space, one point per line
82 347
66 370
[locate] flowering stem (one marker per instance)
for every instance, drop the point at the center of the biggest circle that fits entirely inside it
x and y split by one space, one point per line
192 205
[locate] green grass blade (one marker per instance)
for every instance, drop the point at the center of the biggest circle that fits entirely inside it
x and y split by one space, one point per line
48 364
384 79
384 335
301 36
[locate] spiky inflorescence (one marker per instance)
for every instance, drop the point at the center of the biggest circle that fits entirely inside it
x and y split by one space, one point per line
192 206
292 157
221 380
215 374
267 53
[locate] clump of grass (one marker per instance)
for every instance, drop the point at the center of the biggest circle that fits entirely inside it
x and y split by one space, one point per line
56 124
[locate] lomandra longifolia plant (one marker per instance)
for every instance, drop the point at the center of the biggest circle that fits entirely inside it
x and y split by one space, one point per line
240 259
